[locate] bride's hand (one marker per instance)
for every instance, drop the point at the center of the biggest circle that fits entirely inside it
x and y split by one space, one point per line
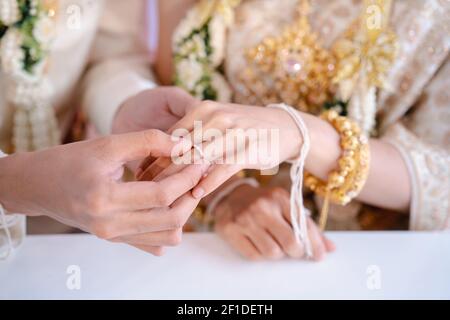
256 222
158 108
235 137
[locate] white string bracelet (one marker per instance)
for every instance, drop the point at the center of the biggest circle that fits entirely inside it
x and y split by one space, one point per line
298 211
199 150
4 225
225 192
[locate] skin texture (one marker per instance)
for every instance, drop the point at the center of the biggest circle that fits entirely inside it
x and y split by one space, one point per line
158 108
172 12
79 184
388 185
256 222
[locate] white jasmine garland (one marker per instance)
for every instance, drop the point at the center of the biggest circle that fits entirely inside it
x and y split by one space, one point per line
9 12
185 48
28 95
189 72
362 107
199 46
194 46
185 28
44 30
12 58
199 90
11 52
217 31
24 56
220 85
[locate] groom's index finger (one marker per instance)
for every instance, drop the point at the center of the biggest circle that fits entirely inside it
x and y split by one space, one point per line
142 195
142 144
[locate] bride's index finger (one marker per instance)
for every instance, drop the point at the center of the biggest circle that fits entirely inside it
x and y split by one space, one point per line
217 175
201 112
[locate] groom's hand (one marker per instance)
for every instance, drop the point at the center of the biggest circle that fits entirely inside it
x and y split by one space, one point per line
158 108
79 184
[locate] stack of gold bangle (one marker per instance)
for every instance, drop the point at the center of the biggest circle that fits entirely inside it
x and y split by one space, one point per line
345 183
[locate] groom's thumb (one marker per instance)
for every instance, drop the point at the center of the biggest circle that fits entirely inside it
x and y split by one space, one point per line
139 145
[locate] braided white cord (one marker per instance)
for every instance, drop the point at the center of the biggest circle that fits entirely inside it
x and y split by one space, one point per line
4 226
298 211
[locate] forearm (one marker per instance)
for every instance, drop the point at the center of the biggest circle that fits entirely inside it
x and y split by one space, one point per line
388 183
10 183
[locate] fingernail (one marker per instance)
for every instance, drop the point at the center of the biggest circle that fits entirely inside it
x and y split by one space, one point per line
198 193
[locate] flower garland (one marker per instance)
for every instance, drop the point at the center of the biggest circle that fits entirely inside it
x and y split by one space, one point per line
26 32
199 49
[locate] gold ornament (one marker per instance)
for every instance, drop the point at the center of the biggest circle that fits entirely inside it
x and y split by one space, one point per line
345 183
368 48
293 68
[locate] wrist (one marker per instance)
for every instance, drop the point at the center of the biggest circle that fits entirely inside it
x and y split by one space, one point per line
118 119
291 138
10 177
325 148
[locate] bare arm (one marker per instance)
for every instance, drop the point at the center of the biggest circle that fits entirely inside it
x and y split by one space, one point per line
170 13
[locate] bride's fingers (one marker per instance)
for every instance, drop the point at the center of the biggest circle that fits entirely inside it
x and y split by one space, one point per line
168 238
329 245
164 167
143 166
150 172
201 113
173 166
236 238
264 242
216 176
156 251
317 243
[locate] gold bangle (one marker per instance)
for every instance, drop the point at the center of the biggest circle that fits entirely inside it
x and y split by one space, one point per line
345 183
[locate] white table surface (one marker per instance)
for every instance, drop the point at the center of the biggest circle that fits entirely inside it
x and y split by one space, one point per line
410 265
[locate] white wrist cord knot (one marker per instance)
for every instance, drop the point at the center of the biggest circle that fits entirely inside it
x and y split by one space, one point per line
298 211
